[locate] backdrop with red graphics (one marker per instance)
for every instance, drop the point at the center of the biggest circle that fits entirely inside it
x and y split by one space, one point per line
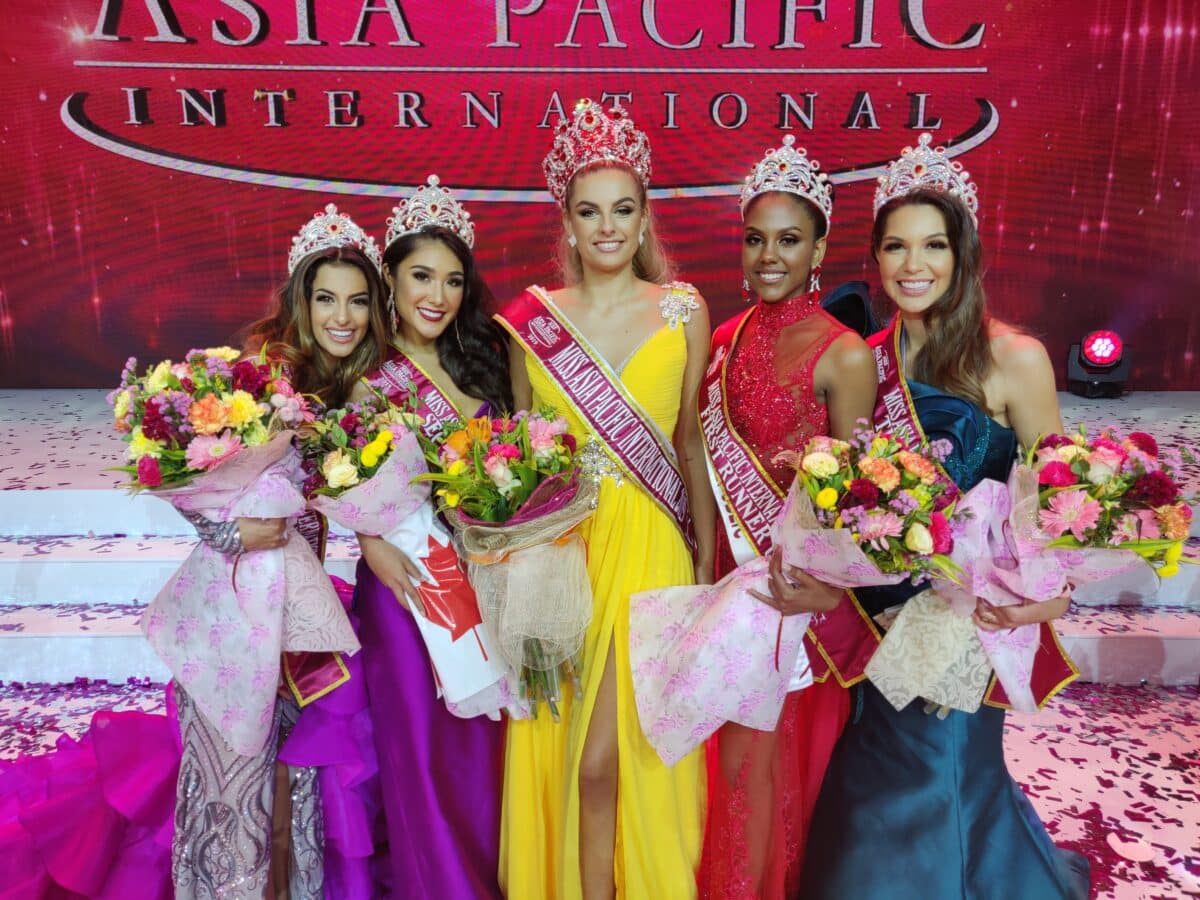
158 155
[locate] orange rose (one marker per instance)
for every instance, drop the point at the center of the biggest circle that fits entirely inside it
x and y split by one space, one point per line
480 430
880 472
918 466
207 415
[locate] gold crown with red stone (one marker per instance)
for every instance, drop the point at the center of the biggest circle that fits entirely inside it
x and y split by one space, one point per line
594 135
431 205
789 169
926 166
331 228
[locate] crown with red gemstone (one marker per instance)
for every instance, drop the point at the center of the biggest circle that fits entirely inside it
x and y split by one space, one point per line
595 135
789 169
430 205
332 229
926 166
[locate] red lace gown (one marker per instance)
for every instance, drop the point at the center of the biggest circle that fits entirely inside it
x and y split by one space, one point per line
763 785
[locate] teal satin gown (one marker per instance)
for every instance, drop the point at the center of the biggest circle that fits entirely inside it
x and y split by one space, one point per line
918 807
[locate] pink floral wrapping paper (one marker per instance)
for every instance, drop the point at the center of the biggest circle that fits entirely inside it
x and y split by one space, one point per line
1004 560
472 677
703 655
220 623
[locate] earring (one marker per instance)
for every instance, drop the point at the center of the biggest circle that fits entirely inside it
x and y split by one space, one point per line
571 240
458 337
814 279
641 238
391 312
745 290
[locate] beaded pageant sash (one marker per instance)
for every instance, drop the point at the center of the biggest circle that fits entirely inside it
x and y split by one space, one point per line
600 399
400 378
748 503
895 412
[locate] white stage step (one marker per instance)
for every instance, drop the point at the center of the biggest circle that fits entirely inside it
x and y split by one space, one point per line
43 571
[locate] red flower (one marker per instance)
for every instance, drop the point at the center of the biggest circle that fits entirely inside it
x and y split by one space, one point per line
569 442
1153 489
1113 446
862 493
250 377
187 384
1054 440
349 422
154 425
501 426
939 527
149 475
1056 474
1144 442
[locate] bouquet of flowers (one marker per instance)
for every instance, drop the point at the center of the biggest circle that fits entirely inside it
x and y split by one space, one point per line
860 513
512 491
1098 515
212 436
364 459
183 419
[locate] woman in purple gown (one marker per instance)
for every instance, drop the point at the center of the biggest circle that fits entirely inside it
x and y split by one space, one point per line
440 775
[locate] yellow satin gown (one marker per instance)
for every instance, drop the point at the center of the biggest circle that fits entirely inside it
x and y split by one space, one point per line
632 546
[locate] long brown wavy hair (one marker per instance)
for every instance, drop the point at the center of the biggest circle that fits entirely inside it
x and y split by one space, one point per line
287 331
650 262
957 355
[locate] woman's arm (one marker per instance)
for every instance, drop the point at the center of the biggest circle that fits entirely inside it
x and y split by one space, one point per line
845 374
689 444
1025 382
393 567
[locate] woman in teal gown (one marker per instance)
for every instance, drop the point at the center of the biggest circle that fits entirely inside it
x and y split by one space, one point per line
914 804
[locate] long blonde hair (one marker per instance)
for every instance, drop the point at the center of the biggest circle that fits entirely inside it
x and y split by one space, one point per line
650 262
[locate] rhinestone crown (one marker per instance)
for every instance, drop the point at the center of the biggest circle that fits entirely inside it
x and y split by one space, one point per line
332 229
926 166
430 205
592 135
789 169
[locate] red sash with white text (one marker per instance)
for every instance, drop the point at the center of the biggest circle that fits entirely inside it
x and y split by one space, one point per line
408 386
748 503
895 413
599 398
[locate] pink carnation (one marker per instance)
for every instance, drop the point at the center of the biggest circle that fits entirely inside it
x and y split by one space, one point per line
207 452
148 472
939 527
504 451
1056 474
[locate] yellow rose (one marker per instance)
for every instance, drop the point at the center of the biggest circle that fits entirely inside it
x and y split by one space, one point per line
140 445
820 464
226 353
241 409
918 539
339 470
156 381
827 498
457 467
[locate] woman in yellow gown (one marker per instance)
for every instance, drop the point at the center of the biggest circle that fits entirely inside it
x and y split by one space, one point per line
590 811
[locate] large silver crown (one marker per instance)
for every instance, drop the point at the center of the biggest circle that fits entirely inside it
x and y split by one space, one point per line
789 169
926 166
430 205
592 135
332 229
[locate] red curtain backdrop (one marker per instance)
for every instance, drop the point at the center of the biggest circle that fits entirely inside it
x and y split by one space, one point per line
158 156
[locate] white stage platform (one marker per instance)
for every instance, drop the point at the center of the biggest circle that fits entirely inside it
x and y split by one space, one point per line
79 558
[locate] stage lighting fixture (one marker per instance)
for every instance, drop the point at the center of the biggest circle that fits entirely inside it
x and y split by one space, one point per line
1098 366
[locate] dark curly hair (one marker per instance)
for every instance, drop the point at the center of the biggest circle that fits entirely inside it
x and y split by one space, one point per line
473 349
